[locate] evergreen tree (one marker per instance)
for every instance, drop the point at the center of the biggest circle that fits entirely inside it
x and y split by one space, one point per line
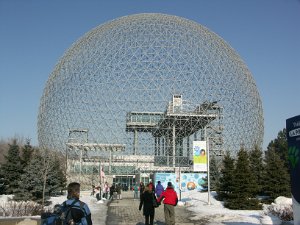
205 183
276 177
12 169
56 178
257 167
214 173
27 152
226 178
31 182
2 182
42 177
280 146
244 185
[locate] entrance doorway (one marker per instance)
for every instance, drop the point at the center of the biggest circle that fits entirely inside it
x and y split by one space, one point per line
127 182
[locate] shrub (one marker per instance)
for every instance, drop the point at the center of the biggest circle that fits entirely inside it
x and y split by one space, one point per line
284 212
16 209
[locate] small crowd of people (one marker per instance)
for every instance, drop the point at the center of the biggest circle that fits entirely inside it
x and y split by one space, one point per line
107 192
150 198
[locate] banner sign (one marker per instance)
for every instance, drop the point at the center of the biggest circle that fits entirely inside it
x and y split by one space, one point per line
199 156
293 138
187 181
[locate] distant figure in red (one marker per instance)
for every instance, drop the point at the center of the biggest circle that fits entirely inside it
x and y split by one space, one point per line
170 200
152 186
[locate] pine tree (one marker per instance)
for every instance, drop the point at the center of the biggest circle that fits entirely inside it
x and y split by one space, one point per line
257 167
27 152
276 177
226 178
280 146
12 169
2 182
244 185
56 178
214 173
42 177
31 182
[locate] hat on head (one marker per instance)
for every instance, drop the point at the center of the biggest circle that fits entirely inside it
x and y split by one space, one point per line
169 184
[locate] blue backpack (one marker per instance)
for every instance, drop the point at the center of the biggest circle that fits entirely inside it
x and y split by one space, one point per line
64 214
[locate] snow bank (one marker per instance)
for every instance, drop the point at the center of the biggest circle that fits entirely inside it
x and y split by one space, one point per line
215 212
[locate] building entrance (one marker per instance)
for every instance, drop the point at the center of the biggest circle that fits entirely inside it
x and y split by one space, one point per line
127 182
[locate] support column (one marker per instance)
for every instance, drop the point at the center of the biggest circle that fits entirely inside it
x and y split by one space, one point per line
109 167
188 147
203 134
158 145
181 147
174 145
163 146
168 148
135 142
80 165
155 146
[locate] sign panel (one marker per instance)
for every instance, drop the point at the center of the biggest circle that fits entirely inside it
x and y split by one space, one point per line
293 138
187 181
199 156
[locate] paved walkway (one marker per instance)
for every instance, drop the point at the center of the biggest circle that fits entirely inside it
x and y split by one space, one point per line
126 212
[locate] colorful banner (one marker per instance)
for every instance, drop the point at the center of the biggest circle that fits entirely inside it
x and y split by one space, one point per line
199 156
187 181
293 138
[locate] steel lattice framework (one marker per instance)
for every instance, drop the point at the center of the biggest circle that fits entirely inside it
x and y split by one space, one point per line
151 83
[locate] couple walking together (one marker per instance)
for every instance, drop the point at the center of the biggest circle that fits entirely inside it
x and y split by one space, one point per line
149 203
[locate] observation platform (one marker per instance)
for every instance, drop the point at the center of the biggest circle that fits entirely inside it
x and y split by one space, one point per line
143 121
184 122
96 146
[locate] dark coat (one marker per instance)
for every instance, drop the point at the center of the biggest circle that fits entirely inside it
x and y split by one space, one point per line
142 188
147 201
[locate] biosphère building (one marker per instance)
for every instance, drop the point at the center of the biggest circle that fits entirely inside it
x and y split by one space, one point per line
132 95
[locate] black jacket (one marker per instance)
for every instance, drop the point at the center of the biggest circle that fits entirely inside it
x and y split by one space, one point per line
147 201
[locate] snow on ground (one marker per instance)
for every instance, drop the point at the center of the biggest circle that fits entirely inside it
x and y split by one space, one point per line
196 202
215 213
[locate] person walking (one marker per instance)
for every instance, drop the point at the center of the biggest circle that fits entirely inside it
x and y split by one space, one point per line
105 190
136 189
159 189
153 187
170 200
147 199
80 212
142 188
111 191
119 191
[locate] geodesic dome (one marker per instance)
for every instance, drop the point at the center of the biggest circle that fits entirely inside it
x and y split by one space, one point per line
144 80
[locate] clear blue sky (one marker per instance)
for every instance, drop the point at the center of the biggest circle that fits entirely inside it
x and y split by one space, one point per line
34 34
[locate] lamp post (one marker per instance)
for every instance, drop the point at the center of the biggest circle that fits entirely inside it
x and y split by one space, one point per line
208 175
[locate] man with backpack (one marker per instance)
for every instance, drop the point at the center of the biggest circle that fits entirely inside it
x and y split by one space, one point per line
70 212
79 212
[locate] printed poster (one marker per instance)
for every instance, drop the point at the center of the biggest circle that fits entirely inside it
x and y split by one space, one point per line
199 156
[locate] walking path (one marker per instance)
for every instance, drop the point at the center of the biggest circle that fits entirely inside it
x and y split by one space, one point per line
115 212
126 212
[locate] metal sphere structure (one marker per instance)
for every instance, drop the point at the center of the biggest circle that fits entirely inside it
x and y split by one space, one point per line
151 83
